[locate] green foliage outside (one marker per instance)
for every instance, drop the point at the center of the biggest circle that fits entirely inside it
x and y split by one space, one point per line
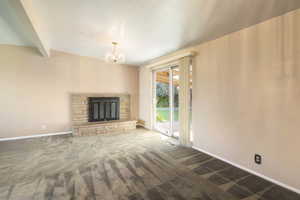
159 117
164 115
162 96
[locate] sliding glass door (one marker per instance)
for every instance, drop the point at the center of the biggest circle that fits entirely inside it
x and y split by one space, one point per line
162 101
175 102
166 104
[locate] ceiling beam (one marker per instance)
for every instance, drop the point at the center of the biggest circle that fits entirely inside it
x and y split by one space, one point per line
26 12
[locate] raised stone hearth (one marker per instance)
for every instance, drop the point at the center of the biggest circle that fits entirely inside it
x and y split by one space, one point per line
93 128
81 124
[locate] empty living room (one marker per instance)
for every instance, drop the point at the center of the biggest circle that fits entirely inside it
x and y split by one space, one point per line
150 100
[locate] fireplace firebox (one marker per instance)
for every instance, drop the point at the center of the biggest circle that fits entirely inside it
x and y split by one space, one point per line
103 109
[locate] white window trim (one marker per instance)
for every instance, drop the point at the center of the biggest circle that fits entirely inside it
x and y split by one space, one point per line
171 61
183 61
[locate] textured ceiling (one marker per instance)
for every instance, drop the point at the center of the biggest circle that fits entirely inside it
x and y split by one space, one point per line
146 29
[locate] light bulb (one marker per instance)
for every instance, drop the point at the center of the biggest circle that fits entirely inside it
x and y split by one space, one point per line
114 56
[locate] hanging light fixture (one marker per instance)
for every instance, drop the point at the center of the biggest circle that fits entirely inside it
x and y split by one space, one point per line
115 56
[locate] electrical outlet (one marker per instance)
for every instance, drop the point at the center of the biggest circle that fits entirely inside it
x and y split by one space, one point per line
257 159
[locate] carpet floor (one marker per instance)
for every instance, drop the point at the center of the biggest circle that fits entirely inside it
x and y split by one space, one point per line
138 165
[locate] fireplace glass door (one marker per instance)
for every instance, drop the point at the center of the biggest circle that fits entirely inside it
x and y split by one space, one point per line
104 108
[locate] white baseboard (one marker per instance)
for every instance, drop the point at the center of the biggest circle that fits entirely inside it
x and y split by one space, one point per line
35 136
251 171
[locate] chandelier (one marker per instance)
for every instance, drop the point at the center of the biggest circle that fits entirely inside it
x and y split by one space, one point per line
115 56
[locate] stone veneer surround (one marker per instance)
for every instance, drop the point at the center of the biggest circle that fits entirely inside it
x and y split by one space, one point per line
79 104
104 127
79 112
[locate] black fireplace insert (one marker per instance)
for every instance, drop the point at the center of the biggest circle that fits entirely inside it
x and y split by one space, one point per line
104 109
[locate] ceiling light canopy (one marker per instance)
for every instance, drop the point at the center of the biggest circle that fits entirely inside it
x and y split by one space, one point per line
115 56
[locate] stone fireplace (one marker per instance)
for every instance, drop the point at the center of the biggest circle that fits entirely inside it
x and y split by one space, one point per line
101 113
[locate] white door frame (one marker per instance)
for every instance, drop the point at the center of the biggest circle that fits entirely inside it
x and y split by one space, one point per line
171 98
184 61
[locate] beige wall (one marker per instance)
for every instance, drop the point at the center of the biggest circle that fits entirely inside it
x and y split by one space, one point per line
246 98
145 96
35 91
